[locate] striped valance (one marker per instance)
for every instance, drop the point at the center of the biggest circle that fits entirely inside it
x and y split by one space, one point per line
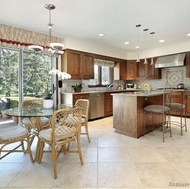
20 38
106 63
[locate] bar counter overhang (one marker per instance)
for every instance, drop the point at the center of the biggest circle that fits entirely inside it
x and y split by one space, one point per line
128 112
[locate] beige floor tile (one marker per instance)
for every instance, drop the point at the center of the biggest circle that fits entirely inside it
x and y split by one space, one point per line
73 175
118 175
110 142
158 175
146 154
111 161
113 155
175 154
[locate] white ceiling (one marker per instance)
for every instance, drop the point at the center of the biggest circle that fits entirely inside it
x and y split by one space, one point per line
84 19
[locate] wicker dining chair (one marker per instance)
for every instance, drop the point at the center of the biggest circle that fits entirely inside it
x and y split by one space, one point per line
12 139
84 104
30 122
65 128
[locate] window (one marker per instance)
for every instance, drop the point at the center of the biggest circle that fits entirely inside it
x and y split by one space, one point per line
103 73
35 71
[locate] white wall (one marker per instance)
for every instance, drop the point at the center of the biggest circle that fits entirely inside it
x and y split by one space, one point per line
184 47
96 48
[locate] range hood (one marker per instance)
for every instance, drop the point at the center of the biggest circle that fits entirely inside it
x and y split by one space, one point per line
170 61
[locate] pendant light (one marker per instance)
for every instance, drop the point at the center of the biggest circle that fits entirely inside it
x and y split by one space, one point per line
137 47
145 60
152 41
55 49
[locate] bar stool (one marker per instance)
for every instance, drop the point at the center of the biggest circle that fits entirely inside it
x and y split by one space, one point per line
176 101
159 109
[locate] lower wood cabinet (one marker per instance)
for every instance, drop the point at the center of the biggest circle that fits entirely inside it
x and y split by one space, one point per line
80 96
108 104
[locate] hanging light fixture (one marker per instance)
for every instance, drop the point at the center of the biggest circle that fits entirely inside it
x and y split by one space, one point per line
152 59
55 49
145 60
137 47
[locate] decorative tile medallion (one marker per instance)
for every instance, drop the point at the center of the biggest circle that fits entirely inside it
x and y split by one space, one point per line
174 76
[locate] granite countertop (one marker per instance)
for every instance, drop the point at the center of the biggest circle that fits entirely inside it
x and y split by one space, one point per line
140 93
103 91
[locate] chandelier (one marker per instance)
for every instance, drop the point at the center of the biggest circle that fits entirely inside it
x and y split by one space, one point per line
55 49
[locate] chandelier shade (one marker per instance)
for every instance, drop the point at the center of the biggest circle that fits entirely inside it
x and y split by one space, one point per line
55 48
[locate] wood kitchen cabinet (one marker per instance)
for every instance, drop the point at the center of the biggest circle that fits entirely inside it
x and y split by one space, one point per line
187 63
79 64
80 96
123 70
108 104
132 69
147 71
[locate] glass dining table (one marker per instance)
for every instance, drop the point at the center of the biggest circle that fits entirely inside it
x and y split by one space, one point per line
34 116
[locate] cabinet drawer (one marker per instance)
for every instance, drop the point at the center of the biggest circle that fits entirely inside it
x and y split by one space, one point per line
80 96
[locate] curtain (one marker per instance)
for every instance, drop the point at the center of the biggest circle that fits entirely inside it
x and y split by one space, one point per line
20 38
106 63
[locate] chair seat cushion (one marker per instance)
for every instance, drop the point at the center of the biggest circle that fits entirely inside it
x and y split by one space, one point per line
26 121
46 134
175 106
156 108
12 132
83 120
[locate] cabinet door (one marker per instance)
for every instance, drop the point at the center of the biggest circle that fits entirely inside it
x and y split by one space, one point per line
132 69
152 72
188 105
87 66
80 96
108 105
74 64
141 70
187 62
123 70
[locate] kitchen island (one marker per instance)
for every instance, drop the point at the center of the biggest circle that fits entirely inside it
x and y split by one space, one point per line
128 112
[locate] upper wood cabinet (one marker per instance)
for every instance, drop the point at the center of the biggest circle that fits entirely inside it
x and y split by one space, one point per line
132 69
148 71
79 64
123 70
187 63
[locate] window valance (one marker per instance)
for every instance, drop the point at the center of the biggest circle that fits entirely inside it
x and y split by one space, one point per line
20 38
106 63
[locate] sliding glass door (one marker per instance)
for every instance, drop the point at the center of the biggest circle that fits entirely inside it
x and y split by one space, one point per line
23 75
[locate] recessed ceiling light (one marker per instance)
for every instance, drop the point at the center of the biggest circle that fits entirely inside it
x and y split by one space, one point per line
126 43
137 47
161 40
188 34
101 34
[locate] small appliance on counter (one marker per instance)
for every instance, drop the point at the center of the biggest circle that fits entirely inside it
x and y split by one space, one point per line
130 86
180 86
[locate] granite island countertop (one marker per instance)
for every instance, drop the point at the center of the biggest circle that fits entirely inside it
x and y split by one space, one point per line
140 93
103 91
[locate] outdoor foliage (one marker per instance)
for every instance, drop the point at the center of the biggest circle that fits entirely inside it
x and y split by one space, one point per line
35 73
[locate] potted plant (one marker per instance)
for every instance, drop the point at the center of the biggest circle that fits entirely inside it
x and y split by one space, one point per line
77 87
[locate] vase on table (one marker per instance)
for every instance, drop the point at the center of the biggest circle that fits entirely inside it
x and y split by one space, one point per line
48 103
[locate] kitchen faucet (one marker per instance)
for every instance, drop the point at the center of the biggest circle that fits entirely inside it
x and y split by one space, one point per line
110 85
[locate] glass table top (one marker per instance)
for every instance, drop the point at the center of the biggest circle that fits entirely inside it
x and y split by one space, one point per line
37 112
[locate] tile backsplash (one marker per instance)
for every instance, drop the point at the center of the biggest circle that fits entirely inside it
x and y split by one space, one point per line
170 77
